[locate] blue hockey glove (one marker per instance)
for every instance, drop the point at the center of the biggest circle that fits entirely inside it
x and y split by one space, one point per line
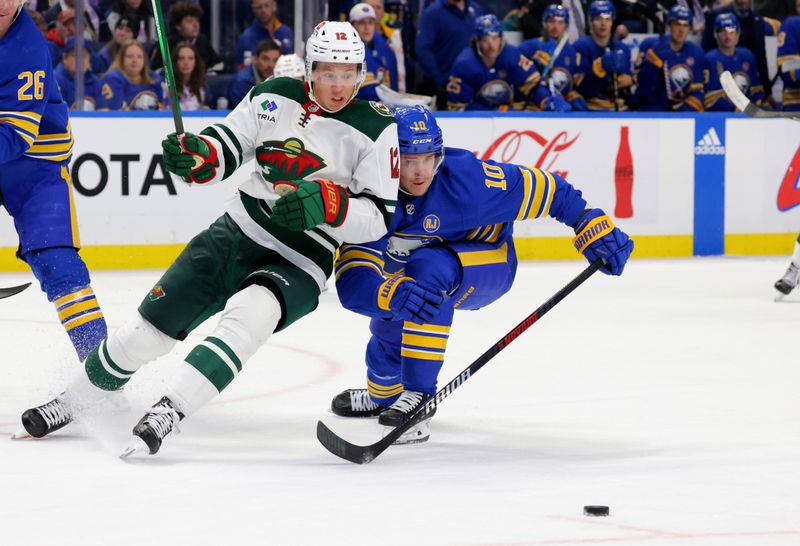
555 103
614 61
596 237
406 299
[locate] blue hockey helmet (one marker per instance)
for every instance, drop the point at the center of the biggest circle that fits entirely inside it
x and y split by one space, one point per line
555 10
488 25
726 21
418 132
679 12
602 7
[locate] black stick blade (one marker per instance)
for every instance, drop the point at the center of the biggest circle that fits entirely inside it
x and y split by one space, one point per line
13 290
350 452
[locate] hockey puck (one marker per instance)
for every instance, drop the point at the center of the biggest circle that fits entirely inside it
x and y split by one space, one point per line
595 510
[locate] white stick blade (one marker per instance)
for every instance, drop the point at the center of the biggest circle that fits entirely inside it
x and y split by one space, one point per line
732 90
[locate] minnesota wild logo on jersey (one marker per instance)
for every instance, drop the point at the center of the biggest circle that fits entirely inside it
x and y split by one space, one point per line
286 160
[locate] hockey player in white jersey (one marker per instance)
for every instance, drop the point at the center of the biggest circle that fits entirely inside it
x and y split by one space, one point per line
327 168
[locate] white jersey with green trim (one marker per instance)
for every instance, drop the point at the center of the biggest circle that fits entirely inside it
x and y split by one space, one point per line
291 138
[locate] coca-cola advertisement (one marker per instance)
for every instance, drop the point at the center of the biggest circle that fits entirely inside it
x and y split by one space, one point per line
638 170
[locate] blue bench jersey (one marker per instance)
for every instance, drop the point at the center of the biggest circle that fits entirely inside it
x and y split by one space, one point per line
563 71
789 62
742 65
672 80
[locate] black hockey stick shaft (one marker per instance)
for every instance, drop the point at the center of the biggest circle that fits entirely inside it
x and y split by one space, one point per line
13 290
365 454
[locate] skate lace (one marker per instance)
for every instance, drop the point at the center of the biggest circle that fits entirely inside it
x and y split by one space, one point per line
407 401
360 400
163 419
54 413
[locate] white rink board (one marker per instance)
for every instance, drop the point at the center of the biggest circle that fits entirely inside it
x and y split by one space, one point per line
584 150
759 154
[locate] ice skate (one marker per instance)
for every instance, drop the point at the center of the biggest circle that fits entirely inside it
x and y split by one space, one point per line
151 429
788 282
397 412
355 403
42 420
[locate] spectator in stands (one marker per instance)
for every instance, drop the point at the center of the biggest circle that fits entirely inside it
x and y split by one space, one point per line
739 61
267 53
394 38
39 19
446 27
381 61
557 74
290 66
190 77
524 19
64 29
130 84
65 76
135 10
184 26
265 27
604 76
92 20
123 33
672 76
752 37
491 75
789 61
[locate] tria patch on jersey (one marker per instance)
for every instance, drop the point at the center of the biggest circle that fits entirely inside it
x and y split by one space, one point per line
381 108
287 160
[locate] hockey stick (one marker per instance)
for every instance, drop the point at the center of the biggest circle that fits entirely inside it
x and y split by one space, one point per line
13 290
743 103
365 454
169 75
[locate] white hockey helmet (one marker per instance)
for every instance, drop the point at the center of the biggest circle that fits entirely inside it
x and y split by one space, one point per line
290 66
335 42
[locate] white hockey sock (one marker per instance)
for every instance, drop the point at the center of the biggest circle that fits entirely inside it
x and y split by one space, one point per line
796 253
248 320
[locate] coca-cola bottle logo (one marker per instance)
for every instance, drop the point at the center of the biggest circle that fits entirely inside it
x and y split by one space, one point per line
507 146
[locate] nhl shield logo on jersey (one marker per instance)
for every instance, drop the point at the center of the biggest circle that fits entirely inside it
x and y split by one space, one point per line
156 293
286 160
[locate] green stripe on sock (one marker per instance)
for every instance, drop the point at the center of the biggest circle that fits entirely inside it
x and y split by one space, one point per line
213 368
98 374
227 350
111 363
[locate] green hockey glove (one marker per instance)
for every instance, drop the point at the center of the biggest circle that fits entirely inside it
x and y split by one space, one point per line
190 156
310 204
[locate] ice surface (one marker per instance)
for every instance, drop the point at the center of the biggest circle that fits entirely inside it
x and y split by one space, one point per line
670 394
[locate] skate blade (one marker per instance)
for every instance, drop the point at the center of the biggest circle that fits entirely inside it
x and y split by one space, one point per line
779 295
21 434
138 446
416 435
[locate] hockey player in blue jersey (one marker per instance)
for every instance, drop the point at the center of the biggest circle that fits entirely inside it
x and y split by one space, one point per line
672 75
35 185
493 75
449 247
604 73
789 62
739 61
560 75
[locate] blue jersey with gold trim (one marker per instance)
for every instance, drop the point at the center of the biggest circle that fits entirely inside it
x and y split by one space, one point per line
592 81
672 80
33 118
119 93
563 71
742 65
789 62
474 86
469 200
